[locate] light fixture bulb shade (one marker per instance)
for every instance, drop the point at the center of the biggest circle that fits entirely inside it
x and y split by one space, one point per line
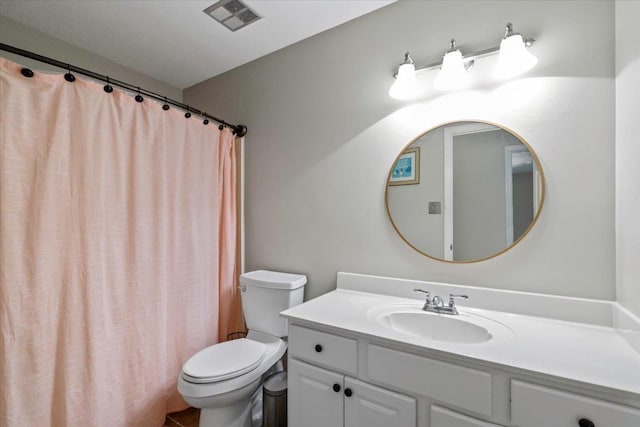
406 85
453 75
514 58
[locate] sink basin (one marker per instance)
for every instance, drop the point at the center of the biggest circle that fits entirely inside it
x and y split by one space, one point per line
465 328
437 327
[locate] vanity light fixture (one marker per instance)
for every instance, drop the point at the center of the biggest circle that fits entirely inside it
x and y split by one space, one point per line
514 57
514 60
406 85
453 75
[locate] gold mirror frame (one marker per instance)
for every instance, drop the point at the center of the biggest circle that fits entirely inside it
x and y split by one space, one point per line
515 242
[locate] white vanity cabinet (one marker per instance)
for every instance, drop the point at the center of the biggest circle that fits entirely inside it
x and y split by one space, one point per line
341 381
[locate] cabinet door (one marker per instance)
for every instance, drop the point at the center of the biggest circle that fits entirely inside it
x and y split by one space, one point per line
369 406
312 399
442 417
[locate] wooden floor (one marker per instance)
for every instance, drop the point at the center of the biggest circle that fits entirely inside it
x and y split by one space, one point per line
187 418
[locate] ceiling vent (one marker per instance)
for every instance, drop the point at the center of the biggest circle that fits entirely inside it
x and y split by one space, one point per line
233 14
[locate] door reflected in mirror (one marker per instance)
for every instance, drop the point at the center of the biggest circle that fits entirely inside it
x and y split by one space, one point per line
480 191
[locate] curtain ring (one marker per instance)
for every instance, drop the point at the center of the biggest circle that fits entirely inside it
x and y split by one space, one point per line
108 88
165 107
68 76
26 72
188 113
205 121
139 97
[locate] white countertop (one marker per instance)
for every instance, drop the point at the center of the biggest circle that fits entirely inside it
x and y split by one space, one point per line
591 354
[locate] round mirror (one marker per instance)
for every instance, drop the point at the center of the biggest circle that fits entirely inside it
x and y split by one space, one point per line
465 191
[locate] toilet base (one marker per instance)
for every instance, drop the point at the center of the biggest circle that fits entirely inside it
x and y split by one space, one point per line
231 409
238 415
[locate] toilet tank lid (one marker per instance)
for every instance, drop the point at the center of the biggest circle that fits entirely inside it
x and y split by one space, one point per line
273 279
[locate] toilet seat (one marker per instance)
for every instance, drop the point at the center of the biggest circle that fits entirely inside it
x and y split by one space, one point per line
193 391
224 361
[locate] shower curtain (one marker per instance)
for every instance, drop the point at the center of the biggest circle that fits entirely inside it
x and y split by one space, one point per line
117 251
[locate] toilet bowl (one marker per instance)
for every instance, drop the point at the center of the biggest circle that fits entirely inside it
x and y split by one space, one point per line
224 380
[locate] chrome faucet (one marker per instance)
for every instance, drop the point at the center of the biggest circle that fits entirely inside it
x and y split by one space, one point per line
436 304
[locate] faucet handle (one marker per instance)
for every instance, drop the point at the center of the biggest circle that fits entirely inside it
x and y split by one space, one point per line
427 302
452 298
427 295
423 291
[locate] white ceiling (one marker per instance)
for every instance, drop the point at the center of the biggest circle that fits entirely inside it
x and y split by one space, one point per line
174 41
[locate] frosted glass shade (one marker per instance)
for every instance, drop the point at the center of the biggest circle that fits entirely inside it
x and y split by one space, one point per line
406 85
514 58
452 75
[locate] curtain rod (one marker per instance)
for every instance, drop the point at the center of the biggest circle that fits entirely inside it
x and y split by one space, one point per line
239 130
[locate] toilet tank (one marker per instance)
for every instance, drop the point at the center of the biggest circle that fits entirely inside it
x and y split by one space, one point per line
265 294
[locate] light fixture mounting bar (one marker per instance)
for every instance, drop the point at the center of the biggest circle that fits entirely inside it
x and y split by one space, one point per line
471 56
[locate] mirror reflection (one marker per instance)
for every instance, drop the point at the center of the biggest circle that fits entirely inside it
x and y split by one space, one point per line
465 191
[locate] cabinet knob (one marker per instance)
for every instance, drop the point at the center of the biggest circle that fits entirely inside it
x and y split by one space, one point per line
318 348
336 387
348 392
585 422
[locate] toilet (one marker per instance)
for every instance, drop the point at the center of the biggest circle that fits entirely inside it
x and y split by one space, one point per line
225 379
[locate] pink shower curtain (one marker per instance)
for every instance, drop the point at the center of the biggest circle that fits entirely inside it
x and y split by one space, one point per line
117 247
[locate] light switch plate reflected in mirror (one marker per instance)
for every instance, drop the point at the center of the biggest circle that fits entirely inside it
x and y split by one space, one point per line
435 208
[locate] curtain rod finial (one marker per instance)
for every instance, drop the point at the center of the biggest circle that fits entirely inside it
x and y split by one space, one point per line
241 130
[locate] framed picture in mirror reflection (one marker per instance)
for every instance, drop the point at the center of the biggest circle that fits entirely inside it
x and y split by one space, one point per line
406 169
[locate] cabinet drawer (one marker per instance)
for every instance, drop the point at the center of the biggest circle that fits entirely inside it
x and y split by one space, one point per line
322 348
534 406
456 385
442 417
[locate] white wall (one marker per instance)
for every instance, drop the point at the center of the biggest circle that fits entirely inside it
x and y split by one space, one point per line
323 133
627 17
15 34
